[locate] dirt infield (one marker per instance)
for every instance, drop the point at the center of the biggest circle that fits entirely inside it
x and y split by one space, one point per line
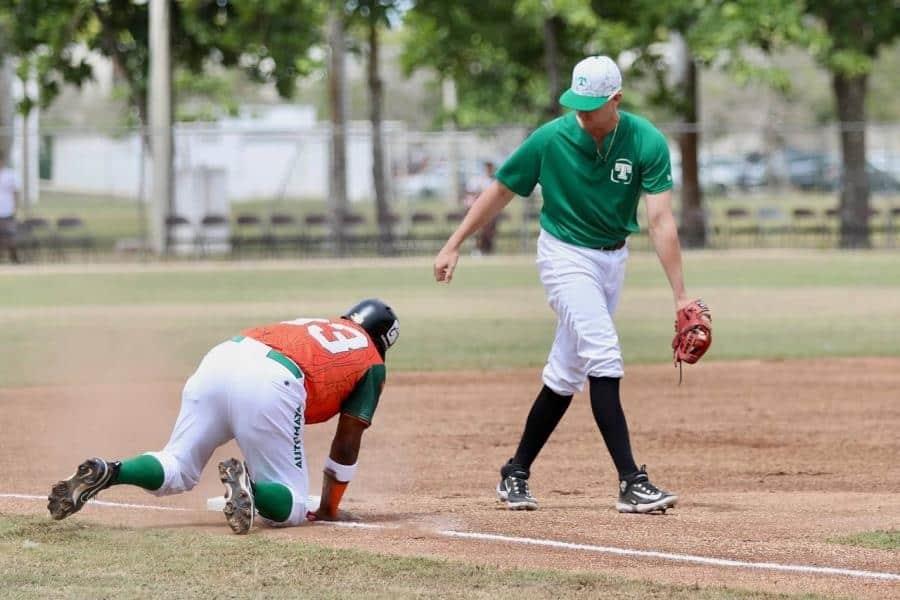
771 459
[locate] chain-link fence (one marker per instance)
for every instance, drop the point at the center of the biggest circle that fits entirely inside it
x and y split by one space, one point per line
243 189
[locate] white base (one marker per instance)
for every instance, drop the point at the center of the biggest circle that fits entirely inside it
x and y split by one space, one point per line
217 503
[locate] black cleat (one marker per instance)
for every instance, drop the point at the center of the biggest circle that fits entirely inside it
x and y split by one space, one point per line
69 496
239 504
638 495
513 489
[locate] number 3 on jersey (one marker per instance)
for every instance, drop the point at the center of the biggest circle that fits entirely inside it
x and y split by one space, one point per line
334 337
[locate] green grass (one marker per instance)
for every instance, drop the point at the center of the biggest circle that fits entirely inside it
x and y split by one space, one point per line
879 540
40 558
228 283
95 325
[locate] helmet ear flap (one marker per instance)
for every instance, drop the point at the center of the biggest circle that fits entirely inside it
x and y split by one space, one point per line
379 321
391 335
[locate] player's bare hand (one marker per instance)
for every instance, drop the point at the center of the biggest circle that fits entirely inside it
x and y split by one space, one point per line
340 515
681 303
445 264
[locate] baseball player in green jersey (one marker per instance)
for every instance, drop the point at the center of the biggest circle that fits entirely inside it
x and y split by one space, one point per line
593 164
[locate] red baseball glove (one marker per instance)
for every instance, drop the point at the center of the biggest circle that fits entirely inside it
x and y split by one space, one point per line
693 333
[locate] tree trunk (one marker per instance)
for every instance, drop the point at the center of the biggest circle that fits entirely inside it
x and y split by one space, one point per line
850 93
7 112
693 224
385 243
337 97
551 64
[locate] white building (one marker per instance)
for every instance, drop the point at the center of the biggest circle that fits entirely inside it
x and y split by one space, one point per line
268 152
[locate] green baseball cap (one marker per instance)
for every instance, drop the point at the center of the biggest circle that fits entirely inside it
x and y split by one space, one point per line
594 81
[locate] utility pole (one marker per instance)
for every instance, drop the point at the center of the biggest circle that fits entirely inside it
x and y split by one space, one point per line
450 103
160 100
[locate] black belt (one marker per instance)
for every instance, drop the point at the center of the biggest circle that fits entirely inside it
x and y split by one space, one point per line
617 246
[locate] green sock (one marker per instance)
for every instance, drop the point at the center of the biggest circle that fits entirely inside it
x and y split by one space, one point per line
274 501
143 471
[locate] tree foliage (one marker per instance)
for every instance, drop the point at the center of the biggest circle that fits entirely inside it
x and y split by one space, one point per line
494 51
367 18
852 33
42 34
725 33
269 39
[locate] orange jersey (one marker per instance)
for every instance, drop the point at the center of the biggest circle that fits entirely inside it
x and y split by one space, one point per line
334 356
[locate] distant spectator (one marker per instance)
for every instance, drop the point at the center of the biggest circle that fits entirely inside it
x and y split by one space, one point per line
484 241
9 201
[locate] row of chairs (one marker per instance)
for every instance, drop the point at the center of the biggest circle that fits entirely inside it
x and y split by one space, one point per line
41 224
351 220
773 226
309 233
801 213
38 233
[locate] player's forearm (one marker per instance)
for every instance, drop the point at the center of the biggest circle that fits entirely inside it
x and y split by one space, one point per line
486 207
664 234
345 449
332 492
339 471
340 467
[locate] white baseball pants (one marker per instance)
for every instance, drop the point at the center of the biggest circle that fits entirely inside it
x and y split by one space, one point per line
583 287
238 393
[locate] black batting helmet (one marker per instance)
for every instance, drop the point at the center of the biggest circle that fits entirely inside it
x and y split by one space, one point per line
379 321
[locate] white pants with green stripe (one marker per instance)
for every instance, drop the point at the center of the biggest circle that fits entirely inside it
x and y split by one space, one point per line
238 393
583 287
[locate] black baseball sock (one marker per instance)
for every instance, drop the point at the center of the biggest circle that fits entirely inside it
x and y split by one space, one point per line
547 410
611 420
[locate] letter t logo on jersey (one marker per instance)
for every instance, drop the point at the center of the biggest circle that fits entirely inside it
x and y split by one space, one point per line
621 171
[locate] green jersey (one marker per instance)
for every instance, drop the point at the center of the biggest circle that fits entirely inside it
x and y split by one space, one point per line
590 193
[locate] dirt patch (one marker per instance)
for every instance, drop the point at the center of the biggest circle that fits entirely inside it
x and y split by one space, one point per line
771 459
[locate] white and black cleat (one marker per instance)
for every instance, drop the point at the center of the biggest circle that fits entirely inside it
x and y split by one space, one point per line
513 492
69 496
640 496
240 507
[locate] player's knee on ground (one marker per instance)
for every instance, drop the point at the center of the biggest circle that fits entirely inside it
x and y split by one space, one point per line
276 505
179 477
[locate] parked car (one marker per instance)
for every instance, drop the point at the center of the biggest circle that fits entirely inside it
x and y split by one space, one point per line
436 181
813 171
430 183
721 174
810 171
755 172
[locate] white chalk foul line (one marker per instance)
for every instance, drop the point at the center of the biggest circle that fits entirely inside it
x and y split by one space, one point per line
104 503
690 558
720 562
353 525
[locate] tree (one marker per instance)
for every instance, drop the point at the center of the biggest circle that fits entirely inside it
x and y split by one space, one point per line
371 16
269 39
648 23
556 19
337 43
6 100
698 33
494 50
853 33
